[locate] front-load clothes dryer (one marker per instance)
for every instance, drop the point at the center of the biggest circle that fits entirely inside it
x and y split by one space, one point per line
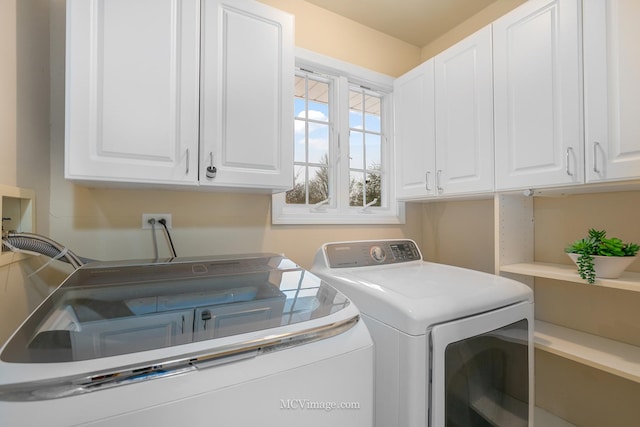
453 347
217 341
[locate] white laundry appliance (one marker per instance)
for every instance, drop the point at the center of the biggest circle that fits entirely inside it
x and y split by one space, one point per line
228 341
453 347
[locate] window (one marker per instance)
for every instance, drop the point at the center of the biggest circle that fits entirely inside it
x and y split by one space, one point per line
365 148
343 147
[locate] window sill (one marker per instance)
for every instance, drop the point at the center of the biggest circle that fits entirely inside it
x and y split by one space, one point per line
300 216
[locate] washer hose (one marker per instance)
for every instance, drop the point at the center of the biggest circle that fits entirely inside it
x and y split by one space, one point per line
43 245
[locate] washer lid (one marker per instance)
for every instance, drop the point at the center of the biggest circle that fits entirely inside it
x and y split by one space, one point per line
115 308
415 295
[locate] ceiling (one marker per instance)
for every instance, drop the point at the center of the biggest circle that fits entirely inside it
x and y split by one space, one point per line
417 22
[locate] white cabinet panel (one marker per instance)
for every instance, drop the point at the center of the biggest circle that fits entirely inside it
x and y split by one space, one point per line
247 93
464 116
414 109
160 90
251 94
612 89
538 138
132 90
444 122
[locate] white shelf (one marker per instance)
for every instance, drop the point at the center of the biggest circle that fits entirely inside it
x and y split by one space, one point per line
611 356
629 281
542 418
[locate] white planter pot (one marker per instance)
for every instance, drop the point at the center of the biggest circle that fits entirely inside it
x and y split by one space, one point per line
608 267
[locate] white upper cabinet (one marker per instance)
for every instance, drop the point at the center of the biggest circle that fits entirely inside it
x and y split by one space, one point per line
538 103
415 137
160 90
612 89
464 116
247 95
132 91
443 123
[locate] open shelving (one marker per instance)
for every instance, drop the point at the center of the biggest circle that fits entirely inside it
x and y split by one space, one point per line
629 281
611 356
608 355
514 230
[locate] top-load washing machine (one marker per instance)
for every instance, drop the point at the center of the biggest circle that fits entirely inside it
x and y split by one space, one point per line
224 341
453 347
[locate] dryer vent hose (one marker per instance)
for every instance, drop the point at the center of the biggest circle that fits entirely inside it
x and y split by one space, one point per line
42 245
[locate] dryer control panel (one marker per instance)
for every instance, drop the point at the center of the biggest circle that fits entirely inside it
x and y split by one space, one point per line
371 252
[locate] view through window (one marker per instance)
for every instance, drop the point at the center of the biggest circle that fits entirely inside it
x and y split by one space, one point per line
317 153
313 126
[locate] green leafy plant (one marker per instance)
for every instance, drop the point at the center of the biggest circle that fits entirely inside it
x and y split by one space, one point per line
597 243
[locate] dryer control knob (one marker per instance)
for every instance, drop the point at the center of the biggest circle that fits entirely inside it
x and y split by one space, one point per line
377 254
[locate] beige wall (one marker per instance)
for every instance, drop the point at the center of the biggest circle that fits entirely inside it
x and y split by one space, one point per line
468 27
584 396
24 99
459 233
33 133
105 223
325 32
329 34
24 144
8 92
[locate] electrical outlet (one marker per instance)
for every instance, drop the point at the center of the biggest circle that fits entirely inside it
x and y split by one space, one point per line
157 216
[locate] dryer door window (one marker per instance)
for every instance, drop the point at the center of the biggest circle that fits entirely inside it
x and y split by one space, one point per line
481 378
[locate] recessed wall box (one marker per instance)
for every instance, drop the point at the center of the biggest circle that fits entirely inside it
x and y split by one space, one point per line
18 210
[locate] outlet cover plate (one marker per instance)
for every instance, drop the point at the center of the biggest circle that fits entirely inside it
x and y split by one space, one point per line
157 216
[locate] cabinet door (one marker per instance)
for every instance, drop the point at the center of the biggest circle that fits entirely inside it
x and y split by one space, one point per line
538 138
612 89
414 120
132 91
464 116
247 95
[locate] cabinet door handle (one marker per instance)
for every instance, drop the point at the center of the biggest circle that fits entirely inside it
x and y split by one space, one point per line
596 146
568 155
187 169
438 176
426 178
211 170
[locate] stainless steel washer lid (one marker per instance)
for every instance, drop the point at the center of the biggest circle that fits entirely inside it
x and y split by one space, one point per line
114 308
401 290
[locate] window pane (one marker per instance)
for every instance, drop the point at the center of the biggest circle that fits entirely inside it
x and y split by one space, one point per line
356 150
373 186
372 113
300 138
312 139
318 112
363 192
318 143
299 105
355 110
356 189
297 195
318 184
373 151
318 100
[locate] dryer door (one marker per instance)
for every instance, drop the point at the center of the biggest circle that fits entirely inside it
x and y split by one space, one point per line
482 369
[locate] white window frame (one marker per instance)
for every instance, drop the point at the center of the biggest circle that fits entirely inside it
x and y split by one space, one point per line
338 211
